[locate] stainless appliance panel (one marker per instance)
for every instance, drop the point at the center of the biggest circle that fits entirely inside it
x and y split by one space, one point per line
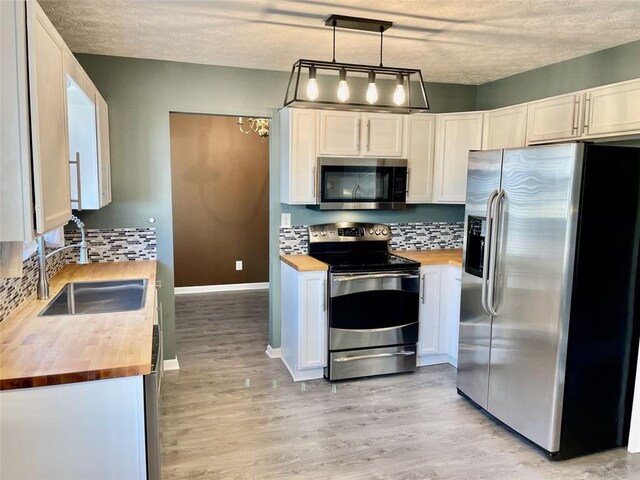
349 284
372 361
475 324
344 338
534 269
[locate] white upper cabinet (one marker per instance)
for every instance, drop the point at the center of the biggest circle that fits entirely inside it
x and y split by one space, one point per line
382 135
339 133
612 110
420 142
16 215
557 118
505 128
48 104
355 134
298 134
456 135
104 152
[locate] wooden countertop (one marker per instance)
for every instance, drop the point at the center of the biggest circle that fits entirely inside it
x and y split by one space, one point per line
37 351
447 256
304 263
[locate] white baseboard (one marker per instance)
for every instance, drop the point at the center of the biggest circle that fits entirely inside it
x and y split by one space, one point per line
171 364
230 287
303 375
273 352
436 359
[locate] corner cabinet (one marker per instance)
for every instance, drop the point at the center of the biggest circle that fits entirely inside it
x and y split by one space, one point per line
298 162
420 146
439 314
355 134
48 104
303 322
456 135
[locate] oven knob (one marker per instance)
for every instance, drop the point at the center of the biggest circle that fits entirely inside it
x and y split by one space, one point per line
377 231
323 233
371 231
315 234
384 231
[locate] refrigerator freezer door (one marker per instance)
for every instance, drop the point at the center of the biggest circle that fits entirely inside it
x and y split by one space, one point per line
475 324
536 250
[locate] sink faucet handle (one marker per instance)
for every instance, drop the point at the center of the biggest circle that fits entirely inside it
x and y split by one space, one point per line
77 221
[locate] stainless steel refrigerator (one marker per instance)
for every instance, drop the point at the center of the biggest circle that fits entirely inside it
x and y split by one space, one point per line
549 314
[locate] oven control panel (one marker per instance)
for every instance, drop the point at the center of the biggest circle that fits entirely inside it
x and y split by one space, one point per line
349 232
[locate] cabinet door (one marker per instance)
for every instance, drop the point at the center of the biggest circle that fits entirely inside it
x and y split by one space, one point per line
298 164
456 135
505 128
16 216
339 133
450 323
104 152
313 322
429 331
613 110
555 119
48 121
420 140
382 135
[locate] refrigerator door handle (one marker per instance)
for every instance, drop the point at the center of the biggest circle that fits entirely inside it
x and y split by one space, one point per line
493 247
487 249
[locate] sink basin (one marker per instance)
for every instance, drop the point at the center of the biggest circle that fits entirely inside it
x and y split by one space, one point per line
81 298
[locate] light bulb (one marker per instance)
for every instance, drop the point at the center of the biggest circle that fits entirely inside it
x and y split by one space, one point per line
372 91
399 96
343 88
312 86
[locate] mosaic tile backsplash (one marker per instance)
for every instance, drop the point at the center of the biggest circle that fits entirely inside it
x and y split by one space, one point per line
405 236
107 245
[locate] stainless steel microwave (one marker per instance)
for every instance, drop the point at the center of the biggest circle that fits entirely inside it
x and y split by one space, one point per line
361 184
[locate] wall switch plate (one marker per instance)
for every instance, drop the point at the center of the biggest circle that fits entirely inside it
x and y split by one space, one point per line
238 264
285 220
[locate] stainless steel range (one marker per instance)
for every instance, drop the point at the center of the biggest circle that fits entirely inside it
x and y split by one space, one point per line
373 300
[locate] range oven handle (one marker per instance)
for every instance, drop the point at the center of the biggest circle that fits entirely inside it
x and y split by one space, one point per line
366 276
403 353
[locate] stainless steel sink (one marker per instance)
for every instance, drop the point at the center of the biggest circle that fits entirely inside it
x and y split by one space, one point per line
79 298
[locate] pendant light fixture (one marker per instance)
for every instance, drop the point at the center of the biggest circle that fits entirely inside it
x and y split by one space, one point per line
369 88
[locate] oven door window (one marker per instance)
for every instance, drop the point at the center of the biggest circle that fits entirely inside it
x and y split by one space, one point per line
372 301
356 184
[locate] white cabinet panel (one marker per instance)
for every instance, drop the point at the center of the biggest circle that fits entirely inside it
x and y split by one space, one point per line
48 121
456 135
104 151
613 110
452 287
505 128
339 133
420 141
303 322
429 331
382 135
557 118
16 215
298 134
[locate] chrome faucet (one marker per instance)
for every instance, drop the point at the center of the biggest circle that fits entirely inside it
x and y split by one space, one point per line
83 258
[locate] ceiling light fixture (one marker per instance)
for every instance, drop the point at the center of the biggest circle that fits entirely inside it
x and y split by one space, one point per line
256 125
386 95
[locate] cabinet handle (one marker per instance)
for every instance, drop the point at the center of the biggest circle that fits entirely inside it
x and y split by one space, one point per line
314 180
576 114
424 282
587 114
368 134
324 295
160 314
358 136
76 162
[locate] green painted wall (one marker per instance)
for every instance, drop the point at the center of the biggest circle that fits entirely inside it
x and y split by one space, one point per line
141 93
600 68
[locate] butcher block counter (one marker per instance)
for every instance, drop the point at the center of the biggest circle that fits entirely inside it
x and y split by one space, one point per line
38 351
449 256
304 263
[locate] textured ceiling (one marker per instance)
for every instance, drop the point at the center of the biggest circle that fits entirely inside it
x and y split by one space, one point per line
457 41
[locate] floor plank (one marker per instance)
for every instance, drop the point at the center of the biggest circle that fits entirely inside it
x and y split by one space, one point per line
230 412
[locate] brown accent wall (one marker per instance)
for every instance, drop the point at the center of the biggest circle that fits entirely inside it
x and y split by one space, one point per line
220 194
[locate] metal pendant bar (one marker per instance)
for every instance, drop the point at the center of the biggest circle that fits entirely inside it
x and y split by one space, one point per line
357 23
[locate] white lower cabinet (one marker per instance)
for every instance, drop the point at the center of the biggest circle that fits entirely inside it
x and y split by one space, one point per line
303 340
78 430
439 314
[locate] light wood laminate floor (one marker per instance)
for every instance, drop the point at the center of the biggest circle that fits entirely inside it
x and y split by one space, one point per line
233 413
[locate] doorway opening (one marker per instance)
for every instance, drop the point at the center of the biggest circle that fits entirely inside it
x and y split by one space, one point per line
220 197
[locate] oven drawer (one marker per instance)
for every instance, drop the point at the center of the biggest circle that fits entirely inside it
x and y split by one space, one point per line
344 338
371 361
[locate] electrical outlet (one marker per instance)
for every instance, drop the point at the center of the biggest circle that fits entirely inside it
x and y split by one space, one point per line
238 264
285 220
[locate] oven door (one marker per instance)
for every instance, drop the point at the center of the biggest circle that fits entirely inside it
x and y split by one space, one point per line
373 309
364 184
